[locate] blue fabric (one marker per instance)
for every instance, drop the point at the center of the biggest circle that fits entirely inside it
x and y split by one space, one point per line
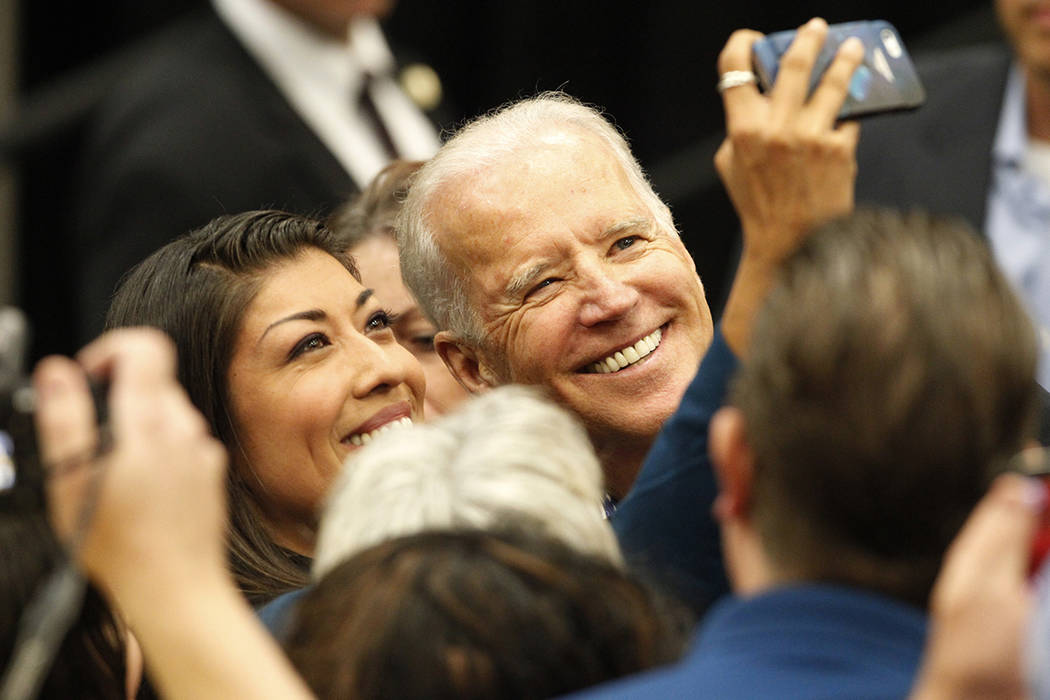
665 526
277 615
812 641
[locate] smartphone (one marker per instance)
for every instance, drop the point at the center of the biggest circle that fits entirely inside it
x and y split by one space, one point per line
885 82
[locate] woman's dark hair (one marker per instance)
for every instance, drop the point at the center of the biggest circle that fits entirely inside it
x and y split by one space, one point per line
474 614
197 289
91 661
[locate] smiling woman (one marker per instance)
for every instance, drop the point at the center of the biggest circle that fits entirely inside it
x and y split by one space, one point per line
291 360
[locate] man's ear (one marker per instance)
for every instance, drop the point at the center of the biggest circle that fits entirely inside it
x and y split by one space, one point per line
733 463
465 363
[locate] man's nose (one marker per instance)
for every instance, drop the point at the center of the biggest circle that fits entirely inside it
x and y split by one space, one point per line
606 297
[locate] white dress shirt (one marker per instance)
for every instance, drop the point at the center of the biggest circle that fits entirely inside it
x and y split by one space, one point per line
1018 220
322 77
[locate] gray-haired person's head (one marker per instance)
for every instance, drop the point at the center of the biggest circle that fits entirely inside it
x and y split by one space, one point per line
509 132
508 452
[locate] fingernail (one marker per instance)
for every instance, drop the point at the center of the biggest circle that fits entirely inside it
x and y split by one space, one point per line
1034 493
853 44
49 384
1026 491
816 23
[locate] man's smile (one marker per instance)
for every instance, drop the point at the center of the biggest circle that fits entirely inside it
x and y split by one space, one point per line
626 356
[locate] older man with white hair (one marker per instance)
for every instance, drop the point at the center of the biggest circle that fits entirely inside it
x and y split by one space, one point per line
535 242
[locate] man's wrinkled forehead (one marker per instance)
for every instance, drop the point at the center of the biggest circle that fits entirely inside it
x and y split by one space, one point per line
467 212
467 220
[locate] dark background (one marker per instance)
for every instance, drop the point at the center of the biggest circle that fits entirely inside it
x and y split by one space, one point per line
651 65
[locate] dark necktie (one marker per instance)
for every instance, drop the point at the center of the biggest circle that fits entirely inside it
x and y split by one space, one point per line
368 108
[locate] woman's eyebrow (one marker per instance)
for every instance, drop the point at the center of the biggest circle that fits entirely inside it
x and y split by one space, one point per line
310 315
313 314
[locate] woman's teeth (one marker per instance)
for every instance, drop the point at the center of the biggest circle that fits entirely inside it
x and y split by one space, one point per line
628 355
365 438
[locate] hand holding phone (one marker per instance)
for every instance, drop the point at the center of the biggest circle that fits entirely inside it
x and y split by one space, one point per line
886 81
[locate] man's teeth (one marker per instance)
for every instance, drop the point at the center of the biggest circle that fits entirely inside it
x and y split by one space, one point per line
628 355
365 438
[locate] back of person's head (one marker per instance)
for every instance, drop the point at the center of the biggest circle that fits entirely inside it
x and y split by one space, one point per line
509 132
476 614
375 210
506 453
891 376
197 289
90 663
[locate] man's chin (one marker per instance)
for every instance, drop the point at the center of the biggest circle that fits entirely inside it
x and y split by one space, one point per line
637 425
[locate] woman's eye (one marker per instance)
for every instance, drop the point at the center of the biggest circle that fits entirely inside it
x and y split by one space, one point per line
314 341
379 321
626 242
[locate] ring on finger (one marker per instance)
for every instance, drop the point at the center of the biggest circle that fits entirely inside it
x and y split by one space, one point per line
735 78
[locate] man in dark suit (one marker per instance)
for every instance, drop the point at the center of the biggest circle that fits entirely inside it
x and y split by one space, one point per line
250 104
890 377
980 148
939 157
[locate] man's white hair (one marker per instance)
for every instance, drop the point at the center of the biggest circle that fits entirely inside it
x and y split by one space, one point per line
506 455
507 132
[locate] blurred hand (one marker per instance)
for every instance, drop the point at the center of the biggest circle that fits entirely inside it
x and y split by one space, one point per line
785 163
981 600
160 509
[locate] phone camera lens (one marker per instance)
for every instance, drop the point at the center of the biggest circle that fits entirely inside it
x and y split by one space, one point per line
891 42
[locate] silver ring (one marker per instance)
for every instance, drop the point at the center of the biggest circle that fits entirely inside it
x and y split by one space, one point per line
735 78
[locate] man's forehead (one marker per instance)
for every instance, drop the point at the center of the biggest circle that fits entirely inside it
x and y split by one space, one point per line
530 188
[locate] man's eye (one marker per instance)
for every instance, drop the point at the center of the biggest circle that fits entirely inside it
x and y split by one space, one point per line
539 287
626 242
314 341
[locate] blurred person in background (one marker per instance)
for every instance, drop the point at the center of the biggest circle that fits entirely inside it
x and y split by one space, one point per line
980 148
365 225
247 104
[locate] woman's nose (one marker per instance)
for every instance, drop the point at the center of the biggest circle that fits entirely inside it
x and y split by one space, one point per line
378 367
